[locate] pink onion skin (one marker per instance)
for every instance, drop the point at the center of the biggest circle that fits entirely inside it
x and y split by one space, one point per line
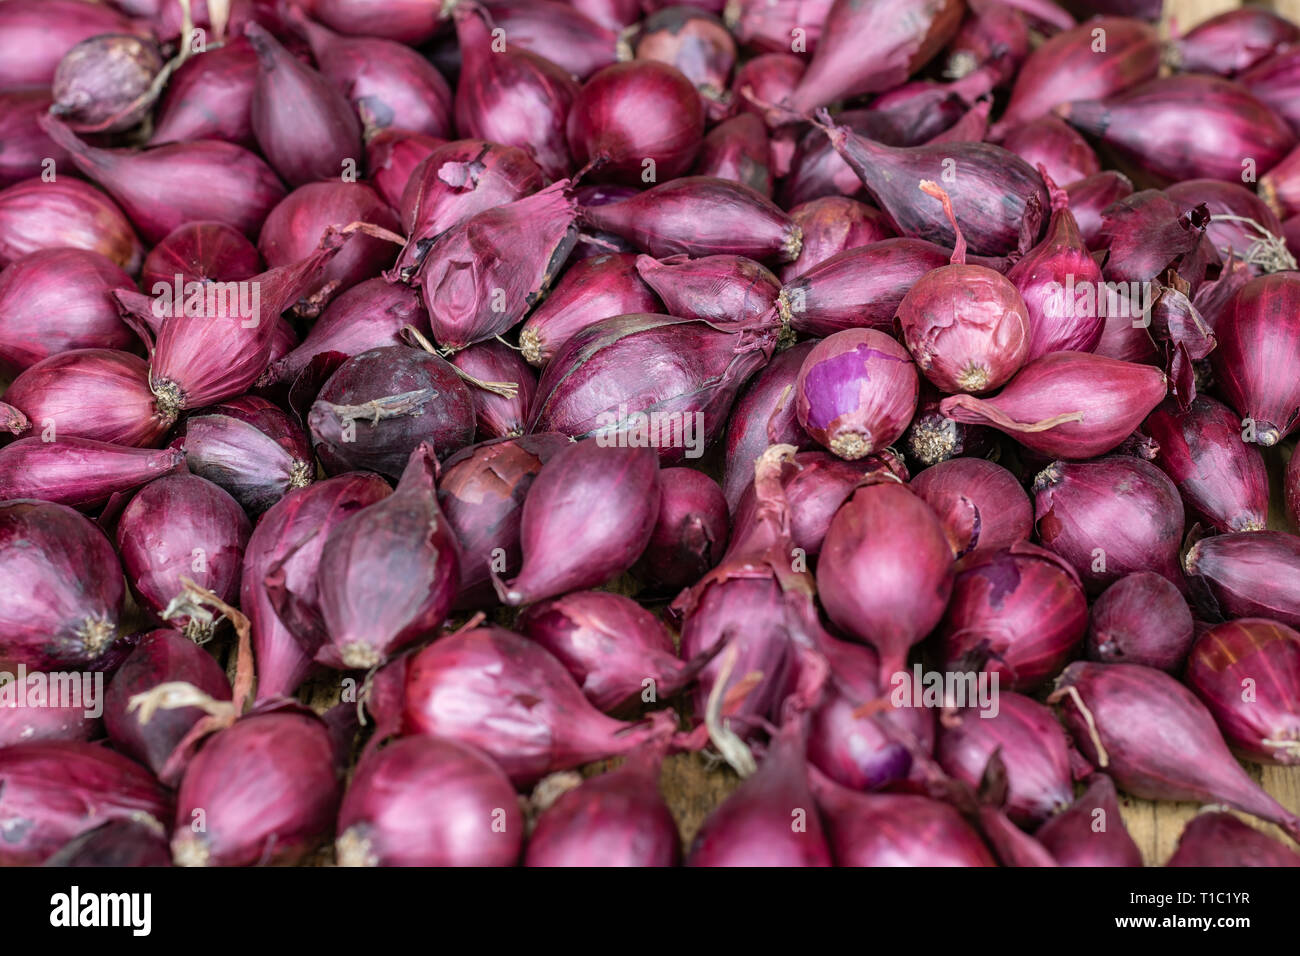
1254 364
1276 82
1112 398
832 224
99 84
719 289
1159 741
867 49
1066 67
637 111
1219 110
568 37
885 573
161 656
73 622
79 472
500 692
36 215
38 33
1249 574
1141 619
182 526
496 415
617 818
700 216
1220 477
982 506
1019 613
1120 506
210 97
587 518
611 14
62 789
690 533
590 291
609 643
587 388
26 145
1079 836
1033 749
404 21
268 791
100 394
856 392
738 150
427 801
755 825
294 531
70 283
1218 839
1233 41
1264 656
763 415
482 493
200 252
895 829
1093 194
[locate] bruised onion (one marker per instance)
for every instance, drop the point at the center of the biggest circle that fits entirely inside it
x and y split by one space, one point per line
210 96
1090 832
1141 619
1247 574
101 84
80 472
982 506
689 534
36 215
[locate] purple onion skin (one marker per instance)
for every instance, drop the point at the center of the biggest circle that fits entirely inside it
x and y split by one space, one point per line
392 156
763 415
885 573
26 145
1264 656
201 252
1033 749
496 415
1233 41
119 843
1248 574
23 724
54 792
1218 839
690 533
161 656
1050 142
38 216
182 526
79 471
1152 736
482 492
210 97
738 149
1220 477
502 693
832 224
1110 517
982 506
617 818
1089 196
63 583
297 527
719 289
609 643
267 789
588 516
99 83
771 819
1091 831
1141 619
1276 81
416 396
426 801
1228 199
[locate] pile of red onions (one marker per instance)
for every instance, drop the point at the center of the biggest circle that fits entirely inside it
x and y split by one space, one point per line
789 385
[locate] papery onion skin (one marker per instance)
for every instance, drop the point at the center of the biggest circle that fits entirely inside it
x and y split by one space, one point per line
36 215
80 472
1232 199
1091 195
981 504
1232 41
832 224
200 252
1079 836
392 156
696 44
100 83
210 97
1219 839
1141 619
1249 574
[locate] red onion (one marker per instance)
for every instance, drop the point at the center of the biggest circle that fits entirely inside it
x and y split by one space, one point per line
615 649
982 506
885 572
36 34
161 657
1232 41
771 819
102 84
588 388
831 225
53 792
612 14
617 818
590 290
200 252
1254 363
262 791
1030 744
405 21
1091 832
210 96
690 533
1228 121
426 801
1218 839
392 156
72 619
500 692
738 150
769 24
587 518
866 48
1144 233
1110 517
1243 225
643 120
856 392
1246 574
482 494
695 43
79 471
36 215
1070 404
965 325
765 81
568 37
970 128
1049 142
719 289
1069 66
1274 81
1090 196
251 448
994 34
30 714
1156 740
290 538
27 148
1141 619
120 843
498 416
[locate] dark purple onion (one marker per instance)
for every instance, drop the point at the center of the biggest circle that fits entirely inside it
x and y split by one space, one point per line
392 156
495 362
718 289
1141 619
1248 574
690 533
200 252
79 472
832 224
738 150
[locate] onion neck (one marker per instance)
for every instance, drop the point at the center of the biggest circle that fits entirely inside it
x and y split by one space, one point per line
850 445
96 634
353 848
301 474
